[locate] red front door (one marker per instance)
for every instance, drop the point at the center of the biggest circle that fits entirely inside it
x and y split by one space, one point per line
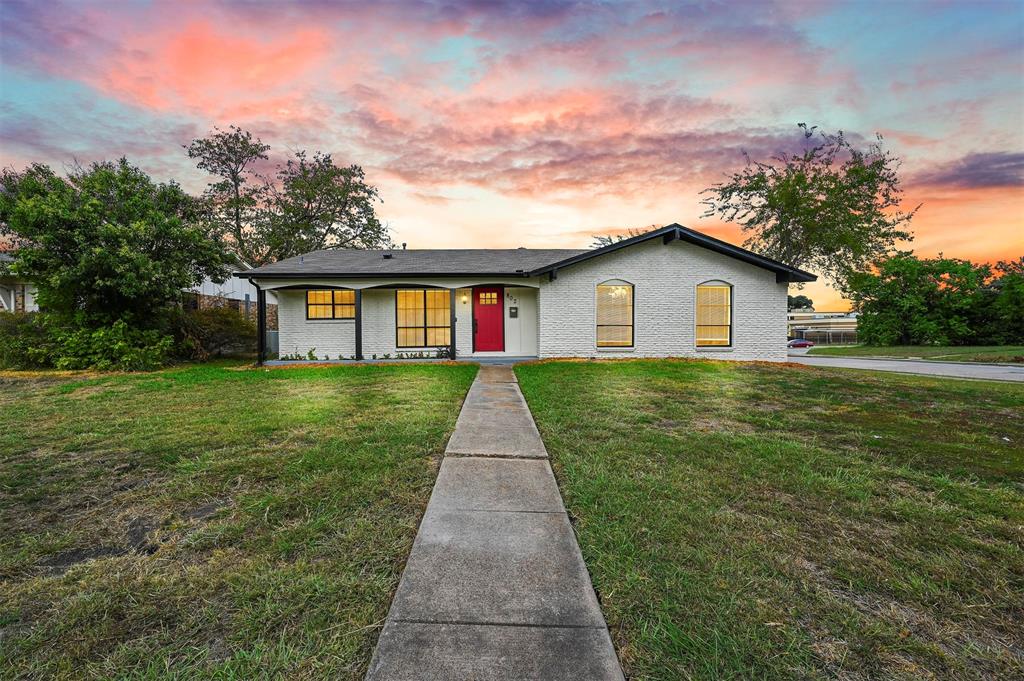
488 319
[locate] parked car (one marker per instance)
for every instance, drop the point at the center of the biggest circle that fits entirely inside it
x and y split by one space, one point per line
800 343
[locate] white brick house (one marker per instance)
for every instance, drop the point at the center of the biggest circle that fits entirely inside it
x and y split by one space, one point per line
672 292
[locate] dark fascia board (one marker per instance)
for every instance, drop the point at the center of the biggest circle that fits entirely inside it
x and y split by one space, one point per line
375 275
783 272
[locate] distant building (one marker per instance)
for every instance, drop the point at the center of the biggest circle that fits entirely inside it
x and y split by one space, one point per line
15 295
18 295
235 293
824 328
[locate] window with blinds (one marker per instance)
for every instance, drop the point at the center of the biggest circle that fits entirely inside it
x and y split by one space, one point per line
423 318
330 304
615 315
714 315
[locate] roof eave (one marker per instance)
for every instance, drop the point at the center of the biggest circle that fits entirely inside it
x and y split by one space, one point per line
252 274
783 272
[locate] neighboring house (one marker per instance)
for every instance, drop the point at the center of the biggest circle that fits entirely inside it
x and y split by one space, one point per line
15 295
235 293
669 292
822 327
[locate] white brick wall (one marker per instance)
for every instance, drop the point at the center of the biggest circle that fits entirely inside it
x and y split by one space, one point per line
464 322
298 335
332 337
380 335
665 278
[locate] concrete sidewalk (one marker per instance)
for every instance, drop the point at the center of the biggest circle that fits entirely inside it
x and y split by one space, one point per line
495 586
990 372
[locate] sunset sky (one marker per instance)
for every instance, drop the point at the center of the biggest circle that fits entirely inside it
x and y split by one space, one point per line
503 124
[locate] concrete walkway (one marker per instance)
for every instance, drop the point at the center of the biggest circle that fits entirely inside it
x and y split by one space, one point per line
991 372
495 586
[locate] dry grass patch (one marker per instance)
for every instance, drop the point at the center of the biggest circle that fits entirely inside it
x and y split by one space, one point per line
206 522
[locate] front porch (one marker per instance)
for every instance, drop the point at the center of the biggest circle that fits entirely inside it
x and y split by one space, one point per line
425 320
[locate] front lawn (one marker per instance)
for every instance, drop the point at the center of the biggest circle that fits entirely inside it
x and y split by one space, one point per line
963 353
777 522
210 521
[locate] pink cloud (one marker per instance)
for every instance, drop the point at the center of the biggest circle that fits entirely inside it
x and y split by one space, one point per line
208 69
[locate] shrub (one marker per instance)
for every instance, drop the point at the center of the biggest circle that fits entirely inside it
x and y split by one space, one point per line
24 342
114 347
36 340
212 332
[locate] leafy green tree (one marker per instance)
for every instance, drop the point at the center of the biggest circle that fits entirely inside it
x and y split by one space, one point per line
1005 298
230 155
799 302
913 301
312 203
106 243
832 209
316 204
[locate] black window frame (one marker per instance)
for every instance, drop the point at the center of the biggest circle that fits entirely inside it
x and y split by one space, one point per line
425 327
333 305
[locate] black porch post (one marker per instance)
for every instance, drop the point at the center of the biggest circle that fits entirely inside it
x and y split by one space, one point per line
359 324
451 305
261 325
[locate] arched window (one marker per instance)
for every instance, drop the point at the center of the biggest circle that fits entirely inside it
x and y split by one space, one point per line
714 314
615 314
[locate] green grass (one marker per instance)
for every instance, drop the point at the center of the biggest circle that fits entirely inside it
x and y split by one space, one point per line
211 522
965 353
746 521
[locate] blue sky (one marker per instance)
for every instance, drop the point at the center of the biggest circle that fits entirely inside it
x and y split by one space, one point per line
538 123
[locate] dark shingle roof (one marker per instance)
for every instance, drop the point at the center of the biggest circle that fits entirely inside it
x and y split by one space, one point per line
489 261
444 262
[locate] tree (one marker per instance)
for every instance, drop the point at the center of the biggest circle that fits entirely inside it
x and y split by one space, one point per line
833 208
800 302
913 301
312 203
229 155
1005 298
106 244
316 204
602 240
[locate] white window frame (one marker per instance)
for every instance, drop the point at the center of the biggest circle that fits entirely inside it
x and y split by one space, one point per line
617 348
732 317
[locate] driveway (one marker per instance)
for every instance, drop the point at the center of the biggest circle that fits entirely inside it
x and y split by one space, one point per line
989 372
